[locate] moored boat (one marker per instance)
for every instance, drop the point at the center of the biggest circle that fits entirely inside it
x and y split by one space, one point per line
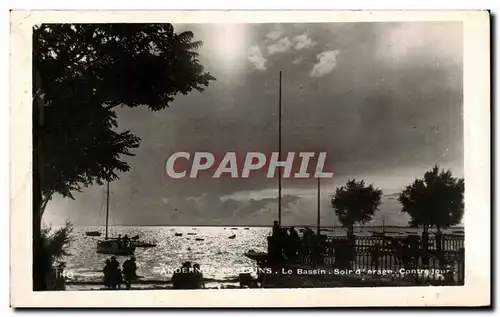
145 244
113 246
257 256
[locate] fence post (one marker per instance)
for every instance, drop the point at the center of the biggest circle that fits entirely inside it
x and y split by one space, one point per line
461 274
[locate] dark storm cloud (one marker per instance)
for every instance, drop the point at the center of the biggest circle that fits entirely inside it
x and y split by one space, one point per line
377 97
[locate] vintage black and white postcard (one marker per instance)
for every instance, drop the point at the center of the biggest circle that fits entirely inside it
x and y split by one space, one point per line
250 159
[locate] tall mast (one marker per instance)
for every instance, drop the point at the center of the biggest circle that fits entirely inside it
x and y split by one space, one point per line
279 156
107 209
319 209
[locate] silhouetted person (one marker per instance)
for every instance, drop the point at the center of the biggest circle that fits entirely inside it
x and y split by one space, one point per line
129 271
126 241
119 241
307 241
115 273
198 277
315 243
183 278
107 274
276 229
275 248
284 242
294 242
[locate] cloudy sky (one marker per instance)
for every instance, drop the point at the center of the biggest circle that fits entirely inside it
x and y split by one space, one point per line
384 100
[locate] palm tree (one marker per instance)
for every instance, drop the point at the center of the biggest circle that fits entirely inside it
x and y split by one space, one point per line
355 202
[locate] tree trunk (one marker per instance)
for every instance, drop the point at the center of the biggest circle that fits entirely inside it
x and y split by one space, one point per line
38 269
425 245
351 242
39 263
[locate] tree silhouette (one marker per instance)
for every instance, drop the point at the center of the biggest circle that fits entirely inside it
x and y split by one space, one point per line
436 200
356 202
81 74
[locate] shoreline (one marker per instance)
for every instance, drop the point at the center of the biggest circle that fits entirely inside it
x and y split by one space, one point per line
272 281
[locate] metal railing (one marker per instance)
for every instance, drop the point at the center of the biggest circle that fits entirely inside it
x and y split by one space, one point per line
410 259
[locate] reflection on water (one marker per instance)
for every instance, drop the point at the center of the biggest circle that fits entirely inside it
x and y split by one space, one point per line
220 258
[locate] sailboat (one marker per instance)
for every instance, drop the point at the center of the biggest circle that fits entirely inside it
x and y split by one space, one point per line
113 245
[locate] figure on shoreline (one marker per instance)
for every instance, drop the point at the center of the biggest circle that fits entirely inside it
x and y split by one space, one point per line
180 278
112 274
129 271
198 277
107 273
188 277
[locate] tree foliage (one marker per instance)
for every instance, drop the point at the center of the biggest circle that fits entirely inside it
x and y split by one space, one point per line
356 203
436 200
56 242
82 73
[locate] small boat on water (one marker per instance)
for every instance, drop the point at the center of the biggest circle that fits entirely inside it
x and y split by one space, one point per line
247 228
178 234
92 233
143 244
257 256
199 239
191 233
234 228
232 237
113 246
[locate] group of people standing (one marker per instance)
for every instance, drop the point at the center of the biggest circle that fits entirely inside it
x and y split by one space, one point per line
188 277
287 245
114 276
